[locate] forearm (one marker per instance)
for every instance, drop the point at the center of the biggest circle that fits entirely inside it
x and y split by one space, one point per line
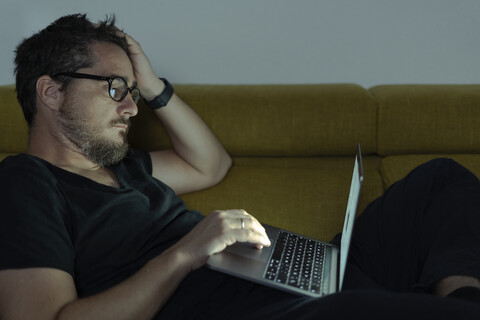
192 140
198 159
139 297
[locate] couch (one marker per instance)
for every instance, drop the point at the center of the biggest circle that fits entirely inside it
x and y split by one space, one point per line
293 146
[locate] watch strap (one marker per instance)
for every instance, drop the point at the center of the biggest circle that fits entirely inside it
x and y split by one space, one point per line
164 97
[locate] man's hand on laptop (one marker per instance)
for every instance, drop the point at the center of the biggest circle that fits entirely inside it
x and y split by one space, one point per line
217 231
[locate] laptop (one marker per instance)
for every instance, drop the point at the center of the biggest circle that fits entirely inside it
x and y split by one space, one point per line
293 262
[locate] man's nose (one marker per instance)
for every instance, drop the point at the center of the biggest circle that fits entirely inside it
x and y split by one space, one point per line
128 107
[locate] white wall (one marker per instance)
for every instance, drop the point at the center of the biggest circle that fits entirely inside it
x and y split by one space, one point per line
367 42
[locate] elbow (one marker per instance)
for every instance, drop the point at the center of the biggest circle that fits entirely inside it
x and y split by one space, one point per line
211 174
223 167
220 170
227 162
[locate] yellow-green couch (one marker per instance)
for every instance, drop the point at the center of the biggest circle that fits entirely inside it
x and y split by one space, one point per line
293 145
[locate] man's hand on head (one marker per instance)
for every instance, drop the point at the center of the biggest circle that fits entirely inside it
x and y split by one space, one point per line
147 81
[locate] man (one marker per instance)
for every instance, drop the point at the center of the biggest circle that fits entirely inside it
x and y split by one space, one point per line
79 125
93 230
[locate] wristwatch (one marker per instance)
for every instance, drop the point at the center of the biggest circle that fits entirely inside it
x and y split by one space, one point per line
162 99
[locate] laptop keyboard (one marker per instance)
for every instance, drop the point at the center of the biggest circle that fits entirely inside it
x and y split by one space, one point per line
297 261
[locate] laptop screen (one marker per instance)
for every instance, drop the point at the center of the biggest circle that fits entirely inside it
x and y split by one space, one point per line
357 179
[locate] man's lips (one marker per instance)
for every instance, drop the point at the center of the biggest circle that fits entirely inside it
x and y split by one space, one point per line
122 123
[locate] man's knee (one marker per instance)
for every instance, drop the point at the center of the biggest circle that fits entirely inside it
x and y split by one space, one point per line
445 169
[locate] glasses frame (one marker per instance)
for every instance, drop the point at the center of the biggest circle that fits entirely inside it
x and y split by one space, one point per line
78 75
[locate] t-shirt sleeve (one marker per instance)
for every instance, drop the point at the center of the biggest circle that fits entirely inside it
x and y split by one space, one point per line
34 229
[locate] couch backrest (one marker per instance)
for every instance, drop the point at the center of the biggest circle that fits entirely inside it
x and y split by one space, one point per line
421 119
306 120
250 120
276 120
13 127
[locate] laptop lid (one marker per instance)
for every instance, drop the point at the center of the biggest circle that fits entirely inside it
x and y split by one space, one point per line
352 204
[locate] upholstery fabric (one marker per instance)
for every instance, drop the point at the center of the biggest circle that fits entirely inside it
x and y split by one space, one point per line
13 127
279 120
420 119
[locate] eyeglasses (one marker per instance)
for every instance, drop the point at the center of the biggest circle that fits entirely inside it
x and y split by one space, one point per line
117 86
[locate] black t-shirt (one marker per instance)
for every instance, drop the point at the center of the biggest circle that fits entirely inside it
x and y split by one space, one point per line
100 235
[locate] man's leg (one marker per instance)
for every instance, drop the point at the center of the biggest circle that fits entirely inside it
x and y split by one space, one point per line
211 295
451 283
422 230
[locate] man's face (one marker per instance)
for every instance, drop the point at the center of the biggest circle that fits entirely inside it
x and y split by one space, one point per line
89 135
96 124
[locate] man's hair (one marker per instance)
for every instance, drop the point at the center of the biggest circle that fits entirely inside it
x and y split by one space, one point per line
64 46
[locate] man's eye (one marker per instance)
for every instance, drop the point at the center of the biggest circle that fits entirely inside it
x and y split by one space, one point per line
115 93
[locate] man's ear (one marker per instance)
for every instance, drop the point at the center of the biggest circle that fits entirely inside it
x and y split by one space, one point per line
48 92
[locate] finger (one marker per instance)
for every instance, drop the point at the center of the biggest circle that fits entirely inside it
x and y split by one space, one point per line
235 219
240 214
245 222
251 236
252 223
240 219
232 213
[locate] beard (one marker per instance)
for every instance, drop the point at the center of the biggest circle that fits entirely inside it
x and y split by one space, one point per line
85 135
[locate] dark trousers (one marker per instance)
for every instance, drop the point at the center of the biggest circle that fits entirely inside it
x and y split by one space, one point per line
425 227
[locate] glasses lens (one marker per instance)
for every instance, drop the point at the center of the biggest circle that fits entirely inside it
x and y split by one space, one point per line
118 89
135 95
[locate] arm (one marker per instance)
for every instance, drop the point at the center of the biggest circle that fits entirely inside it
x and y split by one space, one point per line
50 293
198 160
41 293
